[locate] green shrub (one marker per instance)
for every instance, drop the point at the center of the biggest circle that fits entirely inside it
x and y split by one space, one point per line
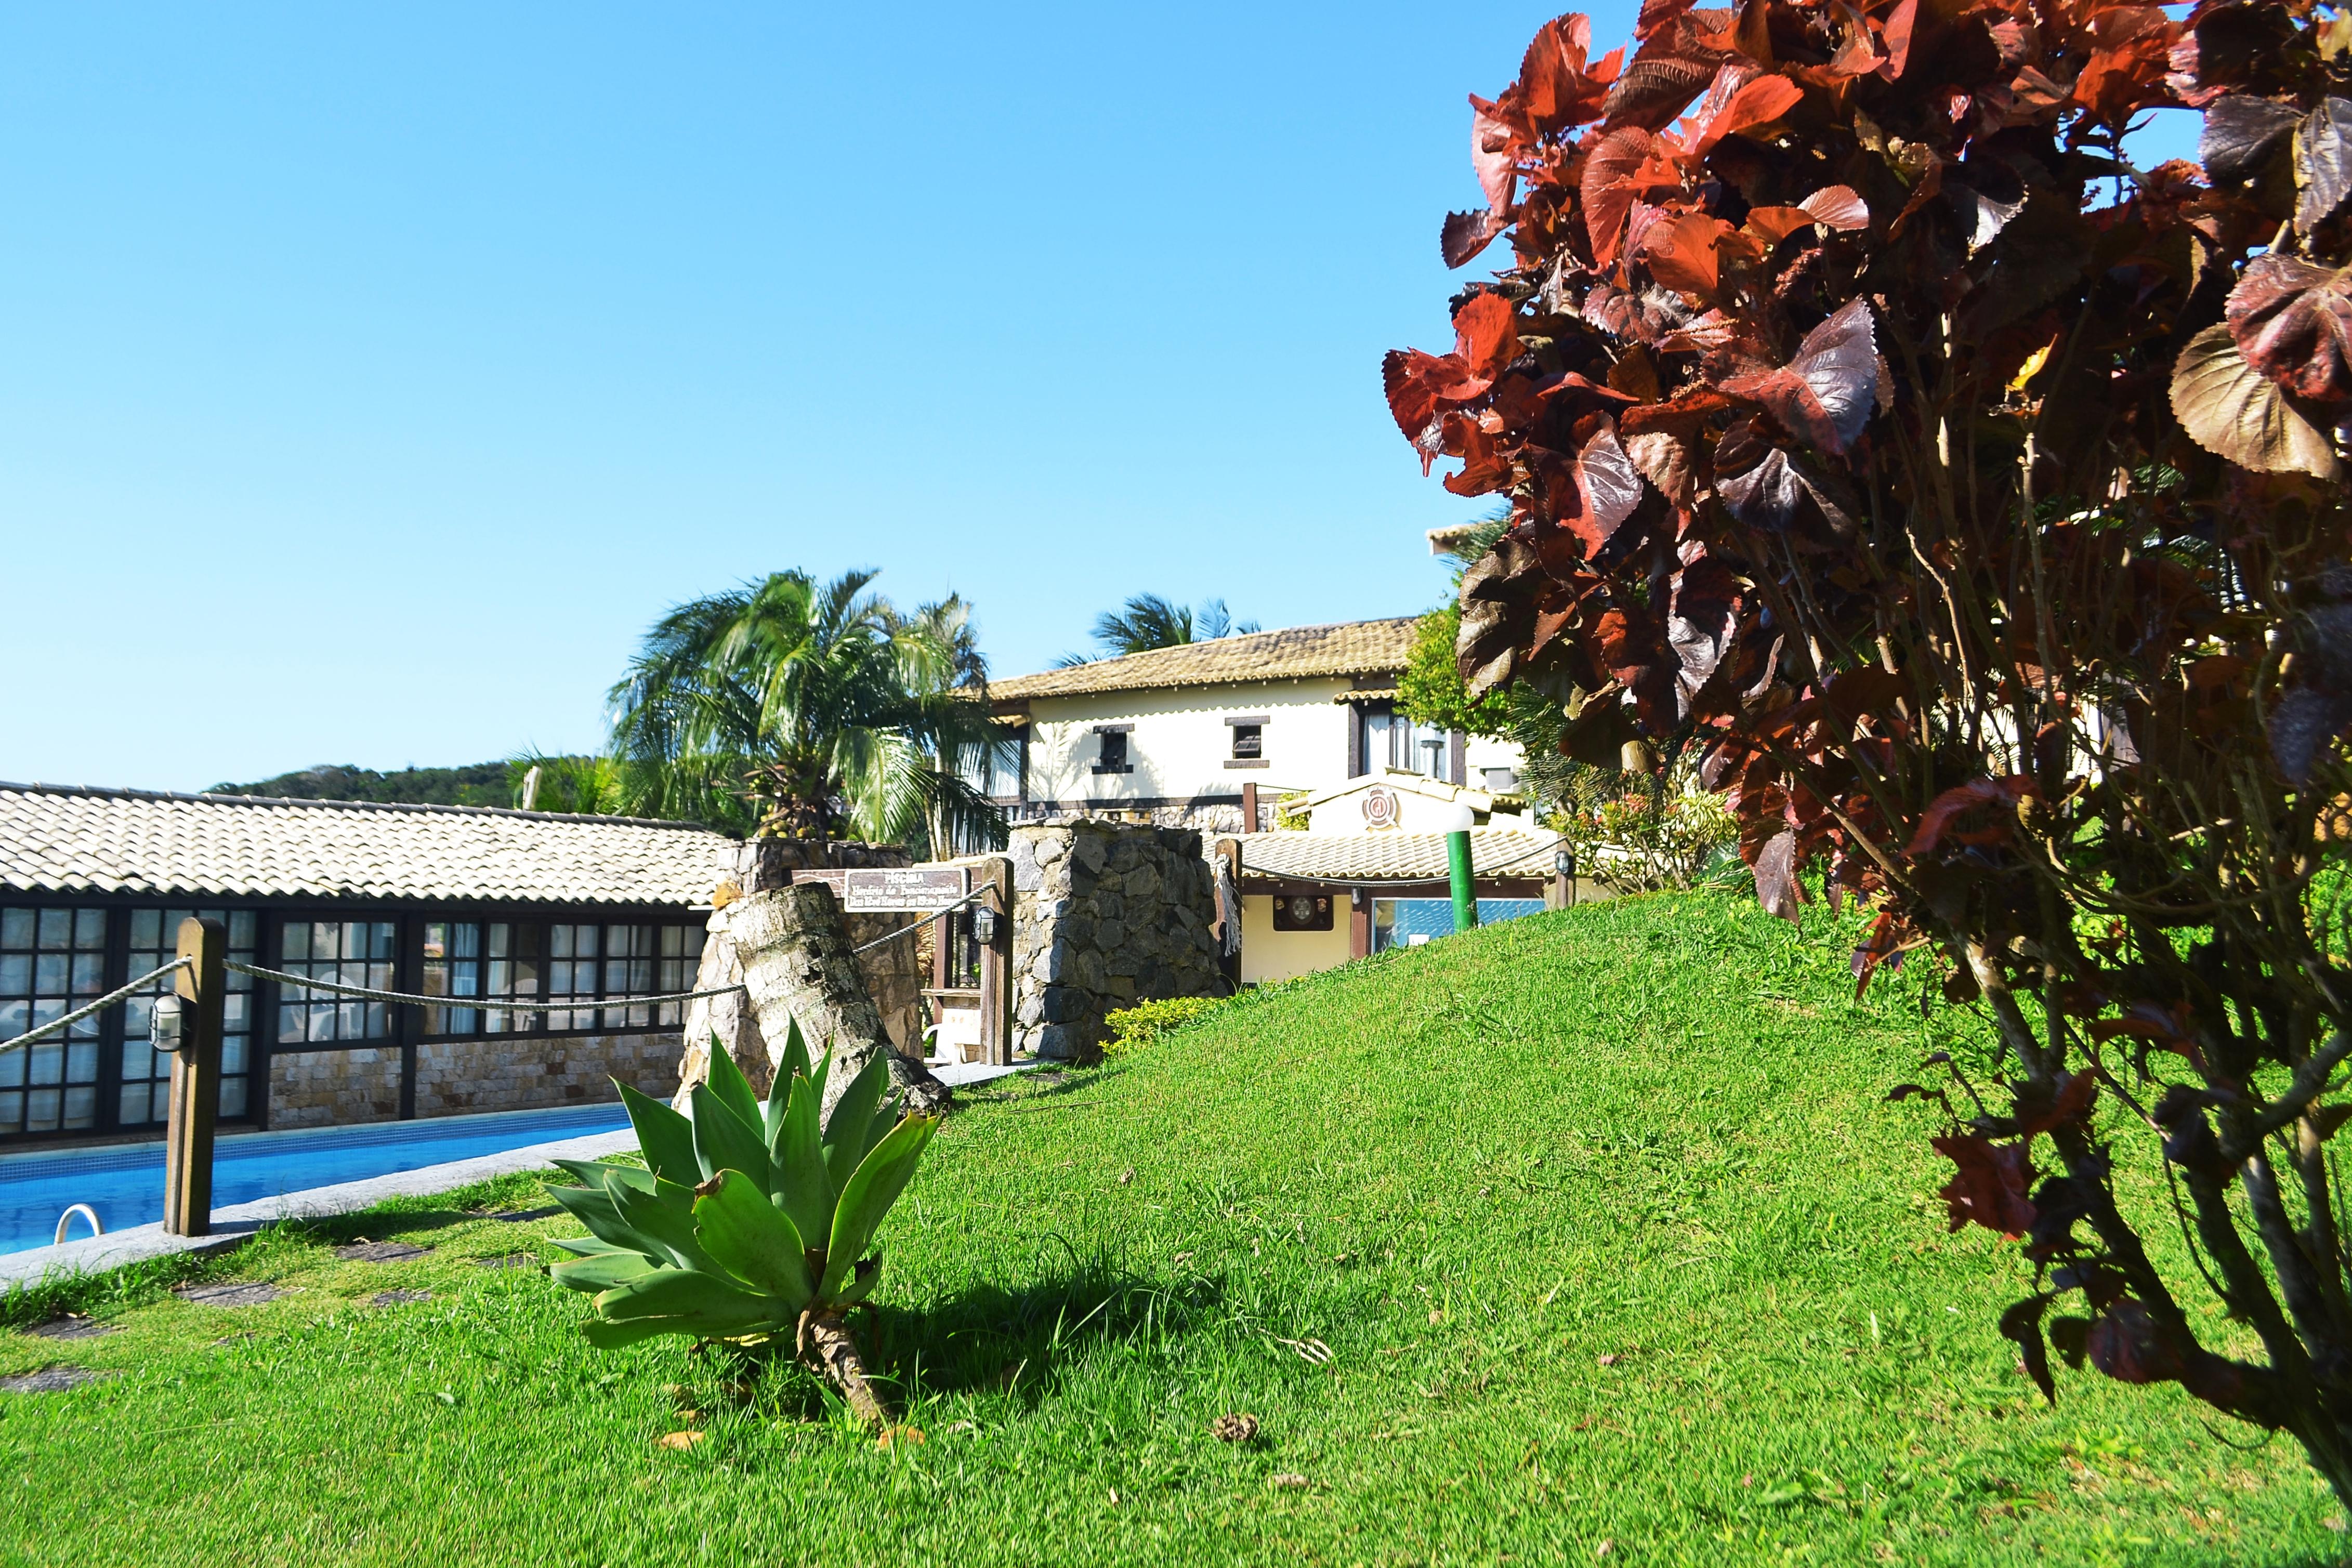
1146 1022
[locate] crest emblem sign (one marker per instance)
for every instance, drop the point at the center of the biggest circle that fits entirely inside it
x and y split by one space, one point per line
1381 807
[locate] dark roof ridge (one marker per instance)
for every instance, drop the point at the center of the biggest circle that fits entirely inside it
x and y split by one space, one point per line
207 799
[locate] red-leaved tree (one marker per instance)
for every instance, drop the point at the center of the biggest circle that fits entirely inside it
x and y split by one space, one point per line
1967 502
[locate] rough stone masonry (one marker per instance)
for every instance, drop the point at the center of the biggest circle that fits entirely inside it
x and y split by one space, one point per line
1106 914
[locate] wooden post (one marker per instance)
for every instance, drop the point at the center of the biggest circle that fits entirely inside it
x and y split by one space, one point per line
1249 808
996 963
1359 923
196 1078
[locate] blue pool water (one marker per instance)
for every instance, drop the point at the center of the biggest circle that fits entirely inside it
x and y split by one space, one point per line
124 1183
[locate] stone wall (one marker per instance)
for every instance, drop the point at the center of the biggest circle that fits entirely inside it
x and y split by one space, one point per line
895 973
1106 914
455 1077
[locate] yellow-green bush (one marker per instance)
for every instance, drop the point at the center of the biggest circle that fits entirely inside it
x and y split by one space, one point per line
1146 1022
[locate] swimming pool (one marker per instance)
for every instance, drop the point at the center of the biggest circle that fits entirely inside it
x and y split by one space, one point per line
124 1182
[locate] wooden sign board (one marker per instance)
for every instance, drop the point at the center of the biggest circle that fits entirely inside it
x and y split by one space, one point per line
892 890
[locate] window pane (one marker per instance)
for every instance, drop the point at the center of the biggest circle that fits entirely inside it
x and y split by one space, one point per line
56 929
89 929
15 928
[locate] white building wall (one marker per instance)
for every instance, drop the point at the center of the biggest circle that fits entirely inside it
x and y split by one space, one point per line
1271 955
1180 743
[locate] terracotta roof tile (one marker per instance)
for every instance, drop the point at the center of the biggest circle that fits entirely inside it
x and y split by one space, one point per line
1393 857
61 838
1349 648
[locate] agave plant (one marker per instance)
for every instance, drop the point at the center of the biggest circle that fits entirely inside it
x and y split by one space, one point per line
749 1222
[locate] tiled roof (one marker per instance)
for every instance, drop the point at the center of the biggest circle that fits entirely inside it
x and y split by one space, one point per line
1349 648
1393 857
59 839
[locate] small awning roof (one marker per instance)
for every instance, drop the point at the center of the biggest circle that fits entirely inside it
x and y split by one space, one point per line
1403 858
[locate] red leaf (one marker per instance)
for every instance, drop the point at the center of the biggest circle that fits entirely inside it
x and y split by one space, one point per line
1485 335
1494 153
1758 104
1680 252
1658 15
1608 190
2292 322
1823 396
1899 22
1557 90
1991 1186
2071 1103
1938 817
1776 877
1465 235
1608 489
1838 206
1657 86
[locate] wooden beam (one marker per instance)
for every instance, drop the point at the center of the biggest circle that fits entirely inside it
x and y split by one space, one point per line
201 986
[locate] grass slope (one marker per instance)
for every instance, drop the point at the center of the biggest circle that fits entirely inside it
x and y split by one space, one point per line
1600 1216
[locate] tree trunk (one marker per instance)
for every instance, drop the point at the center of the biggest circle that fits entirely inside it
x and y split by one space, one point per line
835 1353
797 966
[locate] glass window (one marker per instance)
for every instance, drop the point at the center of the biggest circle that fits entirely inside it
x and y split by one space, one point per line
572 955
1249 741
681 962
349 953
1409 922
1392 740
453 967
1114 751
143 1096
51 962
515 969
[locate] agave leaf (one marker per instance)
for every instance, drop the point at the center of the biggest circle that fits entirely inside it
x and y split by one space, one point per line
665 1218
821 1072
713 1303
872 1188
589 1246
2230 407
853 1115
665 1137
727 1081
606 1335
795 1057
748 1237
597 1210
605 1177
724 1140
803 1189
862 1281
601 1273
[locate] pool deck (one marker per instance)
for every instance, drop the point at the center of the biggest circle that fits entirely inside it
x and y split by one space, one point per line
234 1225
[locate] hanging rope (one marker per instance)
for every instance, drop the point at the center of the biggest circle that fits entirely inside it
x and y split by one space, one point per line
487 1004
58 1025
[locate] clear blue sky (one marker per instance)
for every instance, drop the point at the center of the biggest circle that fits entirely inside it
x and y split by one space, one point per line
370 378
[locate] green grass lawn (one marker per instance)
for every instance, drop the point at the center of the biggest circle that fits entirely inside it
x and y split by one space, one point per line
1591 1231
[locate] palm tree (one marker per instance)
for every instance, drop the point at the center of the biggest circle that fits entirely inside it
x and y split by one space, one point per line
793 710
1147 621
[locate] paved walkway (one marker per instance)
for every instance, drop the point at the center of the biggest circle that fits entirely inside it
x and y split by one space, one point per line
233 1225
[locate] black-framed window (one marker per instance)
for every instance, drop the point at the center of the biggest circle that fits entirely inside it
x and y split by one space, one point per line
349 952
1112 756
52 961
143 1096
1249 742
681 961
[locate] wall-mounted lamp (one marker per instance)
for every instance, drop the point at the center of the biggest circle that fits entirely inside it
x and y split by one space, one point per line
983 926
165 1025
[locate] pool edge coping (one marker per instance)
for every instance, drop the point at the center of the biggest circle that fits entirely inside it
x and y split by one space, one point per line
236 1224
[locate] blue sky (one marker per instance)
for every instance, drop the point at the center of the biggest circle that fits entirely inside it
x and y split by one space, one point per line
369 380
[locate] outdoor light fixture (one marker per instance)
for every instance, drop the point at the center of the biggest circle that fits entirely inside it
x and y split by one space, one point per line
983 926
1455 819
164 1030
1563 862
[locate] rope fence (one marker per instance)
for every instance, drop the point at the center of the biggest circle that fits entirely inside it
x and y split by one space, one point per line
487 1004
368 993
65 1022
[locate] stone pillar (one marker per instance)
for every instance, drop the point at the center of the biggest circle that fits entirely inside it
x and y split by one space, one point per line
1111 915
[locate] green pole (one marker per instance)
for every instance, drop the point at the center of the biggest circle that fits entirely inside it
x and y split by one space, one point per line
1465 885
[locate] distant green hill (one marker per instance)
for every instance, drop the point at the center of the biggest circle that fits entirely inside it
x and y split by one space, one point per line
475 784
